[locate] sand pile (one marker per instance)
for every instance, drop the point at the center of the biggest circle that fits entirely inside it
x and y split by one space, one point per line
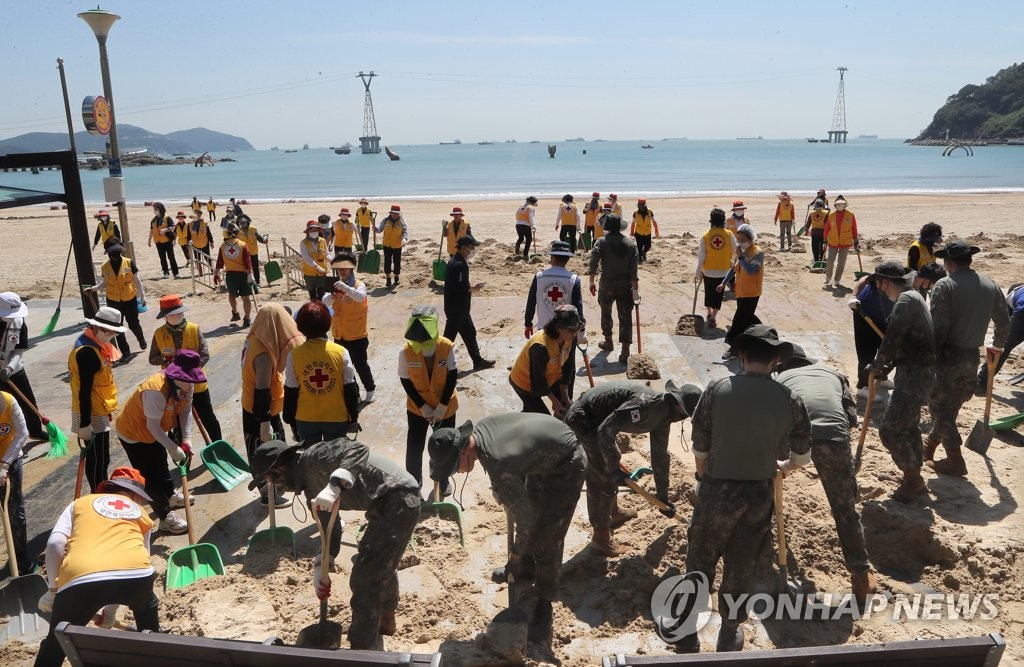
642 367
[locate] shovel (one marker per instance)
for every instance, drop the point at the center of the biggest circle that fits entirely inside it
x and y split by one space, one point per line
586 361
860 265
81 466
668 509
1007 423
323 634
225 464
786 587
981 435
872 388
639 342
439 267
189 564
692 324
274 536
507 632
1017 379
439 503
271 269
19 598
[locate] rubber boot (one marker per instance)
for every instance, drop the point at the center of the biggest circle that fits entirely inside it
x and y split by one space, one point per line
621 516
624 353
539 629
911 486
730 638
863 584
603 544
388 624
953 464
389 281
930 446
688 644
607 344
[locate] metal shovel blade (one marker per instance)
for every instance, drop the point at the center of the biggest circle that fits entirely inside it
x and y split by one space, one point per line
322 634
980 437
690 325
19 613
506 634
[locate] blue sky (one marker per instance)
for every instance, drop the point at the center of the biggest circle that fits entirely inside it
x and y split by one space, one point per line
283 73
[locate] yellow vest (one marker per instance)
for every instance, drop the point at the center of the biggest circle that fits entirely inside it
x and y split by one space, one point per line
189 341
567 214
748 284
523 214
818 219
840 229
103 399
211 205
429 382
319 367
156 224
248 237
319 254
106 230
120 287
181 233
590 216
196 206
717 249
349 319
925 257
364 216
131 423
453 235
6 422
786 211
552 372
642 223
617 209
201 238
344 232
231 251
250 350
106 535
392 233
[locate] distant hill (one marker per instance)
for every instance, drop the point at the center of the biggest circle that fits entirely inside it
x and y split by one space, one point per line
130 137
993 110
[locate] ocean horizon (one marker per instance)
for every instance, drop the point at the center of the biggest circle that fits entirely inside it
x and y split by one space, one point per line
670 169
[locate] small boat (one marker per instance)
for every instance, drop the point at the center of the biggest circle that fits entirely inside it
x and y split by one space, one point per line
534 142
757 138
576 139
485 143
305 147
510 141
342 150
812 140
292 150
391 154
647 146
867 136
274 148
457 142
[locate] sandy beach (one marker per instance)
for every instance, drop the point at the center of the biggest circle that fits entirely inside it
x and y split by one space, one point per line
966 540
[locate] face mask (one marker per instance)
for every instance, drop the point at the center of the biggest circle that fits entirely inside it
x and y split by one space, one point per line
105 336
840 207
312 235
426 348
184 388
114 255
738 214
744 245
472 253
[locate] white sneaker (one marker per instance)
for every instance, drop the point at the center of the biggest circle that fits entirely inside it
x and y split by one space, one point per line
178 499
828 284
174 524
369 397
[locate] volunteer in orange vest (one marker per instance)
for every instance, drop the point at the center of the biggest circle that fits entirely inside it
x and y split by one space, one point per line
344 232
348 324
13 436
321 399
738 217
816 224
396 235
568 218
922 251
97 557
181 235
640 229
159 404
748 272
326 231
616 207
273 335
119 278
544 365
236 263
313 249
93 390
455 229
591 212
366 219
202 240
525 227
196 206
161 232
105 229
248 235
840 234
714 258
427 369
211 209
606 210
179 334
785 214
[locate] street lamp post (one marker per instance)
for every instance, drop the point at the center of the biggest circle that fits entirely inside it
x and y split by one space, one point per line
101 21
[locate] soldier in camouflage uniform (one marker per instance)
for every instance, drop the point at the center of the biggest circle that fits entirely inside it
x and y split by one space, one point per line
536 468
624 407
743 426
389 495
833 412
617 256
962 304
909 345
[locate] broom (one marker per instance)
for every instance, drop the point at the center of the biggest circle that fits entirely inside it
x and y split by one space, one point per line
58 441
48 329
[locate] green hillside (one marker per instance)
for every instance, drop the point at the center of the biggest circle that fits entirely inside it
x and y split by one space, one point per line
993 110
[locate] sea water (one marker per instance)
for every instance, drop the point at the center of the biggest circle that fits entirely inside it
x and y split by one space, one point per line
671 168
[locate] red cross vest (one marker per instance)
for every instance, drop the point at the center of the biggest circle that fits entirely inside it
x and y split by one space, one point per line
554 288
320 370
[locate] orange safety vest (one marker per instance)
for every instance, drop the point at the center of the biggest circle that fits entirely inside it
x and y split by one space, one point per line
392 233
106 230
320 370
642 223
523 215
189 341
253 348
717 249
785 211
120 286
103 399
6 422
131 423
200 237
925 257
364 216
429 381
749 284
107 532
231 252
453 234
567 214
318 251
818 218
556 358
344 233
840 229
349 319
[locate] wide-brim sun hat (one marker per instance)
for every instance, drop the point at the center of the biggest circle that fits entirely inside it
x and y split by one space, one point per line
170 304
560 249
566 316
186 367
762 334
799 358
343 264
266 458
894 271
108 318
956 249
11 305
126 478
687 396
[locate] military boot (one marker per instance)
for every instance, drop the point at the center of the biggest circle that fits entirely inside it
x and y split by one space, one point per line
730 637
607 344
953 464
539 629
388 624
389 281
911 486
863 585
621 516
624 353
930 445
603 544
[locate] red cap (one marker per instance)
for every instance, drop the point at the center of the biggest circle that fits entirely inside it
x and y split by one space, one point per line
607 205
456 210
395 208
312 224
102 213
738 204
344 213
181 214
641 201
613 196
596 194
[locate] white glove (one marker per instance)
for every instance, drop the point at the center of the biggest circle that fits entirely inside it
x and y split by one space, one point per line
439 412
85 433
854 304
3 476
404 241
45 603
325 500
342 479
178 455
698 276
249 279
581 337
266 432
786 467
635 294
142 300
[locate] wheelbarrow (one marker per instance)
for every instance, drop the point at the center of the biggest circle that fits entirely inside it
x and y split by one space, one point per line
187 565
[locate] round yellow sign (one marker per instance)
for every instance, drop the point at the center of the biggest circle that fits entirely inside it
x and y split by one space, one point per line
96 114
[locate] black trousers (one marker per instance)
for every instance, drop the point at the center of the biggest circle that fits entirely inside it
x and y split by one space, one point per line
712 297
165 251
358 350
867 342
461 324
203 405
568 234
78 604
184 252
416 439
745 308
255 268
818 245
364 234
251 435
32 421
130 310
525 233
213 216
150 458
97 459
643 245
531 403
16 513
393 256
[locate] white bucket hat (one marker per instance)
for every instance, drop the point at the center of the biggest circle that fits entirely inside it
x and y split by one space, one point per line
108 318
11 306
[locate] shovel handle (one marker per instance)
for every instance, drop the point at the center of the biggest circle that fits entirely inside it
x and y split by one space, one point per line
183 469
991 361
872 388
586 364
272 504
199 424
12 561
871 322
639 340
664 508
696 291
780 522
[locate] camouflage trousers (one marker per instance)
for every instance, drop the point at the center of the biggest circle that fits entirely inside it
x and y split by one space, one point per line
834 464
955 381
602 468
374 579
621 296
900 430
731 520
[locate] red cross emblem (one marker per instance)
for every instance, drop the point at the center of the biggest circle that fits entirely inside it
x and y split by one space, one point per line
232 250
555 294
118 505
319 378
717 242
